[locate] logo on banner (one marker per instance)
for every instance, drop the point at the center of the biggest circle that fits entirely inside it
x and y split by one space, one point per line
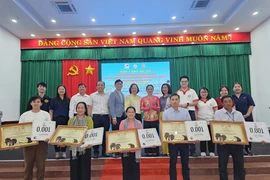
73 71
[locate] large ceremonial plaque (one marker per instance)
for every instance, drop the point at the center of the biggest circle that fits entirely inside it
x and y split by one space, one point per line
68 135
16 135
173 132
197 130
148 137
93 137
122 141
257 132
42 130
227 132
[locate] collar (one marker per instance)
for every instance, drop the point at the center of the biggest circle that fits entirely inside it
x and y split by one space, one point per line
225 111
184 92
204 101
78 94
178 110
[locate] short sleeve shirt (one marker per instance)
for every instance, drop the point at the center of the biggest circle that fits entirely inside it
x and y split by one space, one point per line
206 109
188 96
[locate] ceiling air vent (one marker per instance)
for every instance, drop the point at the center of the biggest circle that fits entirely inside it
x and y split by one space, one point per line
200 4
64 7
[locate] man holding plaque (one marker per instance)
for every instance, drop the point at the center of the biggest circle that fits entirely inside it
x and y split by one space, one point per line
227 113
189 99
35 154
177 113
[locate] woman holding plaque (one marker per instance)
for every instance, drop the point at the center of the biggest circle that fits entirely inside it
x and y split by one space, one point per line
131 160
150 105
223 91
59 109
244 104
134 100
80 158
205 111
166 90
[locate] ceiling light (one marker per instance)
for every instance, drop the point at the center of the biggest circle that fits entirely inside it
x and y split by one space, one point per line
215 15
32 35
93 20
185 31
83 34
159 32
174 17
255 13
54 21
14 20
108 33
237 29
133 19
134 33
58 35
211 30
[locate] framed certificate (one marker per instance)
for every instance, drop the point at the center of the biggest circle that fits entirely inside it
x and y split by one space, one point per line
16 135
122 141
197 130
257 132
148 137
93 137
228 132
68 135
173 132
42 130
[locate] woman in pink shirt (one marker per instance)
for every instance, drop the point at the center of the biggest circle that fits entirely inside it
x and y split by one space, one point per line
131 160
150 105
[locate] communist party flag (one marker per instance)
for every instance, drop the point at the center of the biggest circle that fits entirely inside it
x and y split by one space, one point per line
75 72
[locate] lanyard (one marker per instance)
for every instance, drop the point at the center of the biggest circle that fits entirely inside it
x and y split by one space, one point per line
231 117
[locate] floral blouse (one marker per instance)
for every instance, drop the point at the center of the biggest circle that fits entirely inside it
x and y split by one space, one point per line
150 113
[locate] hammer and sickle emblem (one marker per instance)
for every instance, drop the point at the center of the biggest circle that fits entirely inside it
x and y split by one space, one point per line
73 71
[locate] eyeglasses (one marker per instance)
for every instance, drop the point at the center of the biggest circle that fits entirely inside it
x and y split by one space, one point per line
183 81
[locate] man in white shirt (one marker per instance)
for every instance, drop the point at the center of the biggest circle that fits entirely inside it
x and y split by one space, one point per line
227 113
98 108
35 154
80 97
189 99
177 113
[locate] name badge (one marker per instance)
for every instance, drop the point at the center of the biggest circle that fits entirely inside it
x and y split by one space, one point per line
257 132
42 130
148 138
197 130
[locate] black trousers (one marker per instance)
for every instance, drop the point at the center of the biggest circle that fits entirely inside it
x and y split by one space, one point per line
131 168
80 168
224 151
118 119
211 145
138 117
192 147
184 154
151 124
101 121
61 120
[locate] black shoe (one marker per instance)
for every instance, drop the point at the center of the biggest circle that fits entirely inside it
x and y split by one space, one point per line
193 154
106 155
96 155
249 152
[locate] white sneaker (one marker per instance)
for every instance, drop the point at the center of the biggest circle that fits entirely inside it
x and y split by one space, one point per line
203 154
211 154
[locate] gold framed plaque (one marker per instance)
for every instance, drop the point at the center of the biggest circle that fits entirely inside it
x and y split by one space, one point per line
68 135
16 135
173 132
227 132
122 141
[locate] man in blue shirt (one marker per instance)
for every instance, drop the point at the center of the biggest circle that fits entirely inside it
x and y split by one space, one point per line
177 113
227 113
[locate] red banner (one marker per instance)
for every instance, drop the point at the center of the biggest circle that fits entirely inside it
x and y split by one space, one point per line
75 72
135 41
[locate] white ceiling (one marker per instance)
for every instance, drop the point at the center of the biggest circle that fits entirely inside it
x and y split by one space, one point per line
114 16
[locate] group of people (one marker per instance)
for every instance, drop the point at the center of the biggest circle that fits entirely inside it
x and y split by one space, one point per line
102 110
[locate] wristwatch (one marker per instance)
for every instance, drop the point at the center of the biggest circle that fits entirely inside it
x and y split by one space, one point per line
187 104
